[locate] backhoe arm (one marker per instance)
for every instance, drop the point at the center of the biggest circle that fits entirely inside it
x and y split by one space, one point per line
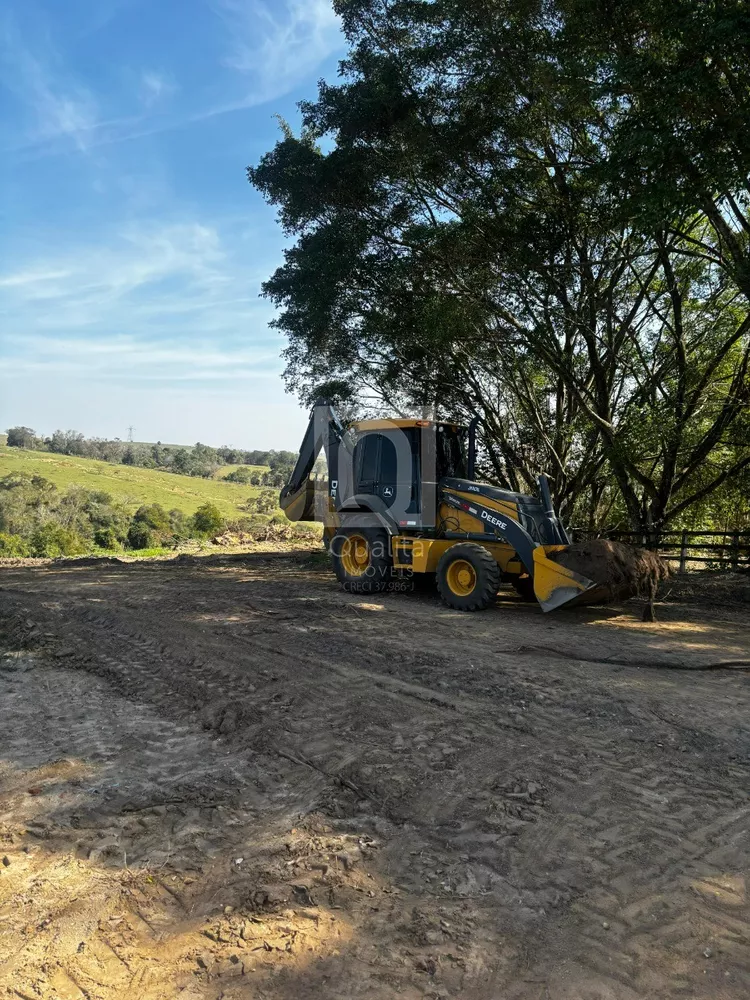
324 431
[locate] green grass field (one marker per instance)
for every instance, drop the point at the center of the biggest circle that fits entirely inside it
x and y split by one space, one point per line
130 484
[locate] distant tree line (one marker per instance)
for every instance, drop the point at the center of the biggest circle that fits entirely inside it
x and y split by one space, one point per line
199 460
275 476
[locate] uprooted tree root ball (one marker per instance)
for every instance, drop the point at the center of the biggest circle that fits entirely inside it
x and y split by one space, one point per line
621 570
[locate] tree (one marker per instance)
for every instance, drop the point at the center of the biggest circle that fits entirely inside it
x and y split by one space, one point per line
208 520
108 519
266 502
460 248
21 437
181 461
678 74
229 456
107 538
240 475
205 461
26 502
66 443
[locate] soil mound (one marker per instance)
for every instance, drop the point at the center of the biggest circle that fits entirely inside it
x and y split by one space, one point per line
623 570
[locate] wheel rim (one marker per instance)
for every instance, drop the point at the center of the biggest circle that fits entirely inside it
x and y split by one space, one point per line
355 555
461 577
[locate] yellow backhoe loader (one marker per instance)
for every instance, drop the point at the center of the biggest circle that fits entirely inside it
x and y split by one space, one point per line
399 500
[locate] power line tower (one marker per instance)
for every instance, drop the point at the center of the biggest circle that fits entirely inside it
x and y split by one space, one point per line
130 434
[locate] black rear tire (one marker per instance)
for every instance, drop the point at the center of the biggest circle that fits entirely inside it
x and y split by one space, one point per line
468 577
361 558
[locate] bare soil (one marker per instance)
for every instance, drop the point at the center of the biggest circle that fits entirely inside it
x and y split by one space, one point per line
227 778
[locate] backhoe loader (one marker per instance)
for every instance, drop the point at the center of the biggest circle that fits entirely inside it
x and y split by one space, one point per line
399 502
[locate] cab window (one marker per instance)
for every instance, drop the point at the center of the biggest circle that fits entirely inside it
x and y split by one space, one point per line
451 453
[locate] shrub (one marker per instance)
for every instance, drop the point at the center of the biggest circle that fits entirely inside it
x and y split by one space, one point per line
12 545
153 516
107 538
52 540
141 536
208 520
179 524
266 502
107 516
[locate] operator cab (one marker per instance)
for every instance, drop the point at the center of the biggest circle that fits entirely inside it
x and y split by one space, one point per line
410 464
388 451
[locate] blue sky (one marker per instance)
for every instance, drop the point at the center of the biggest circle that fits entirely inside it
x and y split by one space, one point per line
132 247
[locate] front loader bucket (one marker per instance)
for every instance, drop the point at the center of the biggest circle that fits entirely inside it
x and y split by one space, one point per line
554 585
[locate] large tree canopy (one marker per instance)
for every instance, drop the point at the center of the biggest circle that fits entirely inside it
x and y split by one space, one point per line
514 208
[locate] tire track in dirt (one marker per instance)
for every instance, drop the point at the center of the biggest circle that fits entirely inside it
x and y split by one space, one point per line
580 802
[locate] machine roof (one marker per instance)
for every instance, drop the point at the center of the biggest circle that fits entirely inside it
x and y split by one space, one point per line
381 425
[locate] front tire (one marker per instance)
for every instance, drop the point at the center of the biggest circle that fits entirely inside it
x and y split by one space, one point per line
361 559
468 577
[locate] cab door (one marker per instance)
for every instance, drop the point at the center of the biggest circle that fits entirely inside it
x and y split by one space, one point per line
366 463
378 471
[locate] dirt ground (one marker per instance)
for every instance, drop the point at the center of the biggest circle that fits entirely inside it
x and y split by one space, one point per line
229 779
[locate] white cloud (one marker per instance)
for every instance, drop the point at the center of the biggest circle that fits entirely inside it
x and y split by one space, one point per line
23 278
128 358
155 302
278 45
56 104
94 278
156 88
272 46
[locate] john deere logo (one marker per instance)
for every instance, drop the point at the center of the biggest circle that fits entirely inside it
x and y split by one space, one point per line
387 491
493 520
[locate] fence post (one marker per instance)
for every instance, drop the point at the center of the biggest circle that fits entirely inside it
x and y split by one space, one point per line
734 552
683 551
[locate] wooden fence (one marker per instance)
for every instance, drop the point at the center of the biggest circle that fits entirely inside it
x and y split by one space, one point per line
721 550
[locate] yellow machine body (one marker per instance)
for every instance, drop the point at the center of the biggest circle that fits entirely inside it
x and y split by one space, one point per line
421 555
504 536
554 585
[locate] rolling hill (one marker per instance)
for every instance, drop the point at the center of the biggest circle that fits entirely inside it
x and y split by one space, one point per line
131 484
